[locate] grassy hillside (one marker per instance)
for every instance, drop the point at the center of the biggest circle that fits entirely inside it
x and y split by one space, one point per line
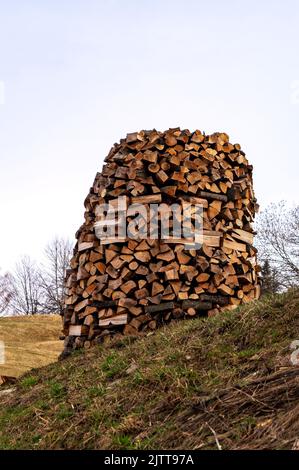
30 341
199 384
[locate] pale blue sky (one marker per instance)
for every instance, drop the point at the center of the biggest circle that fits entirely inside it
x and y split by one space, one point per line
78 75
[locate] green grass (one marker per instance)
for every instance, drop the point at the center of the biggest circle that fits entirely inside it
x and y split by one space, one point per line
57 390
113 366
28 381
190 376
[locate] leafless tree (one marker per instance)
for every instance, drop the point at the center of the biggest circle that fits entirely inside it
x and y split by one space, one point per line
6 292
278 241
27 293
58 253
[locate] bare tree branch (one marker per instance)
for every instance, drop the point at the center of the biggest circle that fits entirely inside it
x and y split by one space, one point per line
58 253
6 292
27 293
278 241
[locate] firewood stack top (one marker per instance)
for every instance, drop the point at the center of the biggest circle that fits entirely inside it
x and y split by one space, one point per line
131 286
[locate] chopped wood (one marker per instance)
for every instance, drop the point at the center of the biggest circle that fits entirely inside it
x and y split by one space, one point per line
128 286
159 308
78 330
234 245
196 304
132 285
117 320
151 199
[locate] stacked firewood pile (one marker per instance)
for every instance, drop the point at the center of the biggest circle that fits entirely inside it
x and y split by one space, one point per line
132 285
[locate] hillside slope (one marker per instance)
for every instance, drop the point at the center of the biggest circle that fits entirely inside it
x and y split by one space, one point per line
30 341
222 382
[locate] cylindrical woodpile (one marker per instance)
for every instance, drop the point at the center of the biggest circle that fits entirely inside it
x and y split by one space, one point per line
131 286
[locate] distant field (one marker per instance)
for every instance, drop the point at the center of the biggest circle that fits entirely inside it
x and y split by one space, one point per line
30 342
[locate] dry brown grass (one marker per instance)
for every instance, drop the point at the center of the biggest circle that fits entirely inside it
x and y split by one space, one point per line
30 342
